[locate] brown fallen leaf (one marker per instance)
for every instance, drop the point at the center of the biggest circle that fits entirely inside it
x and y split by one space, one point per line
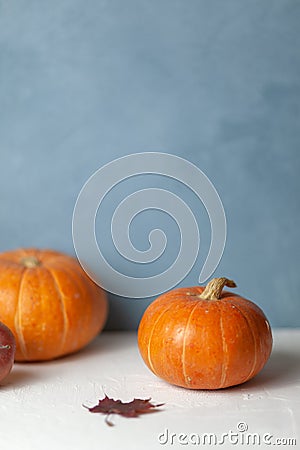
130 409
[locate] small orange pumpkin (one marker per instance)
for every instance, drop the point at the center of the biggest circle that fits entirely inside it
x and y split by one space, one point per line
52 307
201 338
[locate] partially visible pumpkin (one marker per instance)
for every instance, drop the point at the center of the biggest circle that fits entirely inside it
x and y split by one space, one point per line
204 339
52 307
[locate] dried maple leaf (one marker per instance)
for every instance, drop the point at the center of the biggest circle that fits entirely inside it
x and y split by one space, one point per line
130 409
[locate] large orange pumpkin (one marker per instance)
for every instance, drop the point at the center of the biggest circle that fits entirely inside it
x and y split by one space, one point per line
50 304
204 339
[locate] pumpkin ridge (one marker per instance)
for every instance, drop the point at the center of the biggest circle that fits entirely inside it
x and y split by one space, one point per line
185 377
70 270
17 321
63 309
151 335
225 352
254 341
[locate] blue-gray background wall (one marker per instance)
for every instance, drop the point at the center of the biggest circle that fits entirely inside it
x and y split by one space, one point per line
85 81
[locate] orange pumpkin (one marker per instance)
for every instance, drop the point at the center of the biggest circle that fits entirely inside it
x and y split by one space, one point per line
49 303
204 339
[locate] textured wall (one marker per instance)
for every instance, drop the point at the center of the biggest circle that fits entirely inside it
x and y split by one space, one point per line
84 82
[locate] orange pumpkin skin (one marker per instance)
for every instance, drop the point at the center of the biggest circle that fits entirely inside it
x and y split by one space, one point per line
204 343
49 303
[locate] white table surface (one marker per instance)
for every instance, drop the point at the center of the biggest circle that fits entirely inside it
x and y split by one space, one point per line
41 403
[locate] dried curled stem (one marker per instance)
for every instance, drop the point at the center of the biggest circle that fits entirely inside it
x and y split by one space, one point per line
213 290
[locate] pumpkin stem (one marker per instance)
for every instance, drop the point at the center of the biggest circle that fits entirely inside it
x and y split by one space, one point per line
30 262
213 290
